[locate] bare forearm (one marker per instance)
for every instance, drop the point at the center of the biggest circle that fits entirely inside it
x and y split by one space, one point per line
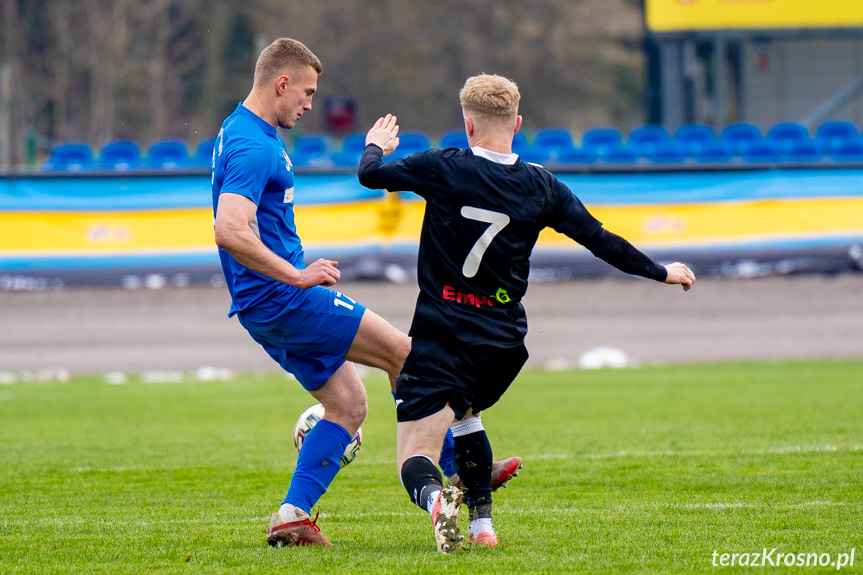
248 249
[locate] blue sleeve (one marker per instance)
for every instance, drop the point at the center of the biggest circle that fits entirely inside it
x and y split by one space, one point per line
248 168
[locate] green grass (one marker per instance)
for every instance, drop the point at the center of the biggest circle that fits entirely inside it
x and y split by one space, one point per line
643 470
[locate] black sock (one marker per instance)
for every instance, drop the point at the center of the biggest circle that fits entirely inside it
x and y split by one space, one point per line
420 477
480 511
473 458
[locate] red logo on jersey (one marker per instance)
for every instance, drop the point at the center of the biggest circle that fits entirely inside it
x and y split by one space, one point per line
477 300
288 164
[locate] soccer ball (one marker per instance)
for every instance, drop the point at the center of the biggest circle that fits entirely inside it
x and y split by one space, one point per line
309 419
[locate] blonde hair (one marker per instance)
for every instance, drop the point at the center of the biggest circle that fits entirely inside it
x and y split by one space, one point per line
490 96
285 54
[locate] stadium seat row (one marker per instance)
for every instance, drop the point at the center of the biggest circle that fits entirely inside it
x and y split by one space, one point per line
785 142
838 140
121 155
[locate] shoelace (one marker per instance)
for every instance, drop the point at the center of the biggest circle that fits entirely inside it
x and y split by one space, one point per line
313 523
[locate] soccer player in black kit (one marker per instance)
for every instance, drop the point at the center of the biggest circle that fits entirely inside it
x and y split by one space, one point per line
484 211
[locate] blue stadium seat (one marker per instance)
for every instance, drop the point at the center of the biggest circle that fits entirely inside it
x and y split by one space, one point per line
694 137
785 136
834 134
352 150
716 152
454 139
583 156
167 155
850 151
410 143
314 149
120 155
646 139
620 154
669 152
535 155
520 145
70 157
354 143
553 139
804 151
204 153
763 152
417 141
740 137
601 139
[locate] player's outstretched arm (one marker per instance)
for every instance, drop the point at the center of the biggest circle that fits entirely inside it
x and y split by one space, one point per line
679 273
384 134
234 234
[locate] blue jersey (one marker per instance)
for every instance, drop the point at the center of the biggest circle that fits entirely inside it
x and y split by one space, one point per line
249 159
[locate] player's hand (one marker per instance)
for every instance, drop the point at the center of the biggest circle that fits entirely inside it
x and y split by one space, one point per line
678 273
385 134
321 272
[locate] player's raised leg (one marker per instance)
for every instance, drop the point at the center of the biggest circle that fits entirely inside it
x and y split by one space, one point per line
419 443
344 399
378 344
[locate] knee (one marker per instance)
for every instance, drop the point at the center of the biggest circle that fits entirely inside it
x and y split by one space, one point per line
349 415
354 414
359 412
400 353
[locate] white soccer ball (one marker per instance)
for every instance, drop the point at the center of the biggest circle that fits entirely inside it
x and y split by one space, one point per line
309 419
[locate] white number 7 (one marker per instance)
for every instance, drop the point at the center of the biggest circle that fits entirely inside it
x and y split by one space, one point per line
497 220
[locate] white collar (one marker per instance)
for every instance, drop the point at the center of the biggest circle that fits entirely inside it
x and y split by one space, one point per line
497 157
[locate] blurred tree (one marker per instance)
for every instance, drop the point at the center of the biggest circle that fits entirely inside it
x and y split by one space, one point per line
145 69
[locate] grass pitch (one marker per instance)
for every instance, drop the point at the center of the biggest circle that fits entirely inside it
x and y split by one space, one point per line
645 470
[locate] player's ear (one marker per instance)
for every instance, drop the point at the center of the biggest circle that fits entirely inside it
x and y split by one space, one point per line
469 127
517 125
282 84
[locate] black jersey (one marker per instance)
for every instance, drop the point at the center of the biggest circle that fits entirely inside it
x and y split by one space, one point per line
481 222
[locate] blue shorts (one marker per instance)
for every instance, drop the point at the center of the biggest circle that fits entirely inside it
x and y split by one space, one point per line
308 332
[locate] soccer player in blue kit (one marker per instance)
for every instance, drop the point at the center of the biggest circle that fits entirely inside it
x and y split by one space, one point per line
484 211
313 332
285 305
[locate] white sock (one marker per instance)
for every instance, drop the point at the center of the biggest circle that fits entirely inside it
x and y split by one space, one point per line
431 499
289 513
477 526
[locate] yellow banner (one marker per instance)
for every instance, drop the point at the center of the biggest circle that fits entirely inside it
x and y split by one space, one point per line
669 226
680 15
385 222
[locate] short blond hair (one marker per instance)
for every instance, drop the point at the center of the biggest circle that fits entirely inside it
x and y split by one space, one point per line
490 96
284 55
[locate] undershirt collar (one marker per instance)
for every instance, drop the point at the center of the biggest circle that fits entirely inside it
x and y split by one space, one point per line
497 157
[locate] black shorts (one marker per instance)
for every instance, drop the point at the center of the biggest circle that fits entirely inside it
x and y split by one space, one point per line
463 377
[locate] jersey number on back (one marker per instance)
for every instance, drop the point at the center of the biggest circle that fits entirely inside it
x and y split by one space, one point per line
497 220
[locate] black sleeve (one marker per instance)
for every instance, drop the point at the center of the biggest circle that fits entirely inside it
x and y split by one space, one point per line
409 174
571 218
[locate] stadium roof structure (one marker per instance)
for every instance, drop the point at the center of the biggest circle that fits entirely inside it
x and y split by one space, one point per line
723 61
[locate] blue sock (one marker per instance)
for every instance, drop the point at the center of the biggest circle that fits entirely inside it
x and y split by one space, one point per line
447 453
317 464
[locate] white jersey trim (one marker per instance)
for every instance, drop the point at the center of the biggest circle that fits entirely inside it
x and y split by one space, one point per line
496 157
